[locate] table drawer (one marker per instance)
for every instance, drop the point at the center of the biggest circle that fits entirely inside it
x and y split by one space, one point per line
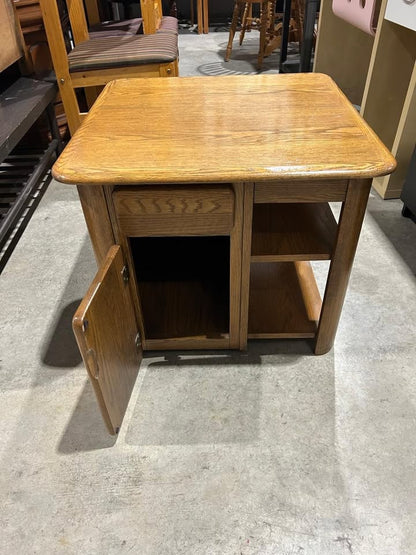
175 210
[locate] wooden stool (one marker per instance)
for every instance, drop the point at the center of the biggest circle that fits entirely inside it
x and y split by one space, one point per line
243 10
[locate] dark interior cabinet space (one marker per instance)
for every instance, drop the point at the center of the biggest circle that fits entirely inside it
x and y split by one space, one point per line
183 285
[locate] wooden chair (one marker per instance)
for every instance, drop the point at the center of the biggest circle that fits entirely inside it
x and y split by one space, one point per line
95 62
264 23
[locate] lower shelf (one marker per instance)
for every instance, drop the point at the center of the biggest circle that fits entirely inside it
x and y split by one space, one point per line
180 309
284 301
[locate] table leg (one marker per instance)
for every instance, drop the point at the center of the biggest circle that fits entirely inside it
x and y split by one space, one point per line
246 261
349 227
97 218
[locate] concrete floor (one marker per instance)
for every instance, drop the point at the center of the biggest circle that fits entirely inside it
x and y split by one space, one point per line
273 451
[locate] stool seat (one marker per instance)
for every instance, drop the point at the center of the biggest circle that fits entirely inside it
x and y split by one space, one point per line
110 52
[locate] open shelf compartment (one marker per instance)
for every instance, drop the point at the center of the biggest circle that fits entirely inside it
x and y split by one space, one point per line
284 300
288 232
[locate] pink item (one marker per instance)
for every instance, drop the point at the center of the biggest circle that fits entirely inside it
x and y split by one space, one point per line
360 13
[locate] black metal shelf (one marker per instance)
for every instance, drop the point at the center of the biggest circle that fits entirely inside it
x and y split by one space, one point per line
23 170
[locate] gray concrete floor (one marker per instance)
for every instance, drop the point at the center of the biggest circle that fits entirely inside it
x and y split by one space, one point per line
273 451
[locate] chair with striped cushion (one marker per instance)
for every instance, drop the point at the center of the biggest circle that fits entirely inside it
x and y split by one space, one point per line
94 62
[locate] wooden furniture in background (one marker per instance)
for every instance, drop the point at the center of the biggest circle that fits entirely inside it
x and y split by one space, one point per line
25 159
152 15
37 60
93 63
202 17
92 12
37 56
36 52
217 222
379 75
264 22
23 166
205 15
11 47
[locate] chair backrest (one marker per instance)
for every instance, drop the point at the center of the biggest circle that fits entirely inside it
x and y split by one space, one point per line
93 13
77 20
151 11
151 14
56 39
92 77
58 49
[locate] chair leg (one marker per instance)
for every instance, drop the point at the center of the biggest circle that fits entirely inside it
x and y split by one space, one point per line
233 29
274 32
264 20
246 20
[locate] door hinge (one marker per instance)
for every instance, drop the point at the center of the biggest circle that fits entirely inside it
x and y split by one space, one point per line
125 273
138 341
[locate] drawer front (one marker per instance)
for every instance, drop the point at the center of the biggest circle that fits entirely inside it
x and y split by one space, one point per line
300 191
155 211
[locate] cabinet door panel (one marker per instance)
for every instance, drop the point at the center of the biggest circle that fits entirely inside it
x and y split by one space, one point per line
106 330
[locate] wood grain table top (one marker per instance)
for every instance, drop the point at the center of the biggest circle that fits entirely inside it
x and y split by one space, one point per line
222 129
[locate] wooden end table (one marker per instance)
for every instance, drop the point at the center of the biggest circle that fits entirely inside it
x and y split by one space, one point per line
206 198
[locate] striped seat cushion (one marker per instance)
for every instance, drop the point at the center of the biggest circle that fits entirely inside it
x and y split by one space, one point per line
116 28
124 51
168 24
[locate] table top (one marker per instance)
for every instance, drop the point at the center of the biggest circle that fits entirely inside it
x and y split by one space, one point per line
222 129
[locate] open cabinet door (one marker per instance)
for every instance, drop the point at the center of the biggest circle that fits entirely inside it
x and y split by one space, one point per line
106 332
